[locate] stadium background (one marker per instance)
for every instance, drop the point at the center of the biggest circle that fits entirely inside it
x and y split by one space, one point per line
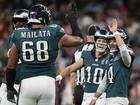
99 12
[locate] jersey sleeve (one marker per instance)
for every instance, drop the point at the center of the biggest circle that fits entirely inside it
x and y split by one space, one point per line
9 42
15 39
60 32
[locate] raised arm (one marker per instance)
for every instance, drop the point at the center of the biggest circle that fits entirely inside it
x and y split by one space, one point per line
125 55
72 18
76 39
70 41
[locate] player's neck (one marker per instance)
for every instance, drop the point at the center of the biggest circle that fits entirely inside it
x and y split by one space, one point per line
99 54
36 26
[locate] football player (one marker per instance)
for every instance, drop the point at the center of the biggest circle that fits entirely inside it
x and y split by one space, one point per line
19 20
37 46
79 80
94 63
116 80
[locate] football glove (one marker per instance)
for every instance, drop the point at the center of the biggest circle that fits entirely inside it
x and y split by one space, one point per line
72 18
11 95
72 12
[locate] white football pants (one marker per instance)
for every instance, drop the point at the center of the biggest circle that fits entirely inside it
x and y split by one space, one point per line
39 90
88 97
117 101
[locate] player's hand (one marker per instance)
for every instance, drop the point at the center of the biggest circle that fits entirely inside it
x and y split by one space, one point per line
11 95
72 12
59 78
114 25
93 102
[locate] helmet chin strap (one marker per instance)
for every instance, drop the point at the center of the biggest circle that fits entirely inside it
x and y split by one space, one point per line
101 49
112 50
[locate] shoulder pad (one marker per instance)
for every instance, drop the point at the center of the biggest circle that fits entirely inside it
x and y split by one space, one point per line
20 28
54 25
88 47
57 26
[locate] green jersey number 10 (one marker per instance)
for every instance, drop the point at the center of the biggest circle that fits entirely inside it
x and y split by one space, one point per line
97 76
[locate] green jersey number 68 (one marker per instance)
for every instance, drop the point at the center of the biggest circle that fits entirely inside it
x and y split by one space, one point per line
29 53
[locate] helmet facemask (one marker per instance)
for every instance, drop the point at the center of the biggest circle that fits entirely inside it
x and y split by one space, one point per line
101 40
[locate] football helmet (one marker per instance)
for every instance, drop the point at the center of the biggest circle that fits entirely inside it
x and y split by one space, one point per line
20 15
39 14
101 34
122 33
92 29
124 37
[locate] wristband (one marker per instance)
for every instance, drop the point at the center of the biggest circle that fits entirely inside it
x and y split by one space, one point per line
59 78
94 98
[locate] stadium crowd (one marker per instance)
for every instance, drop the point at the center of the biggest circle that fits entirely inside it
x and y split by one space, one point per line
98 12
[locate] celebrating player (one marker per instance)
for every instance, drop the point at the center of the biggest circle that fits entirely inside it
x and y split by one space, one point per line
95 62
116 80
37 47
88 46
